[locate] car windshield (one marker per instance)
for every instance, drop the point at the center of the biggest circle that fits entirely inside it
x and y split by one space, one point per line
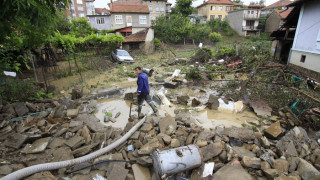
122 53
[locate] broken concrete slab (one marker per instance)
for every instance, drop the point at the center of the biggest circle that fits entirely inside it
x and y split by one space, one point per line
75 142
135 135
118 173
92 122
213 102
281 165
175 143
83 150
20 108
62 154
243 134
274 131
241 152
56 143
72 113
251 162
140 172
304 167
15 140
167 125
183 100
211 150
261 108
149 147
232 170
5 169
42 175
86 134
38 146
75 123
271 173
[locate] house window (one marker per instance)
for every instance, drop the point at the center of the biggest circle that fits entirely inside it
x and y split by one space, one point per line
228 8
150 7
220 17
80 8
151 18
162 8
100 20
157 8
220 8
81 15
248 12
143 19
118 19
79 1
211 16
303 58
213 8
252 12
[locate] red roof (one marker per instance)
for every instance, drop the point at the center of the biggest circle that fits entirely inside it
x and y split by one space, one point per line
127 2
278 4
101 10
256 6
138 37
217 2
129 8
284 13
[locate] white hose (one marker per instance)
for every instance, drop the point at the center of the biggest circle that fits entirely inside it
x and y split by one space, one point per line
62 164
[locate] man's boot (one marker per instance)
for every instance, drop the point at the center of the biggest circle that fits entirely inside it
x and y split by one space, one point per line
140 115
154 108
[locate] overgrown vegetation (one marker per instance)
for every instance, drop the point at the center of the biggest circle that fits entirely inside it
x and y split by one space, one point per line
194 73
215 37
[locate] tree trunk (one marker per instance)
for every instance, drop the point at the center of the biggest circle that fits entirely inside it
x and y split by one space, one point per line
75 62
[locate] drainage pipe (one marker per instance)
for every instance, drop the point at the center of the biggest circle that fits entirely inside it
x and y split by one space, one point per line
62 164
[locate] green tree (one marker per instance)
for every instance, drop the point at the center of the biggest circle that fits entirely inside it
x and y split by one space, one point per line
80 27
199 32
172 28
63 23
183 7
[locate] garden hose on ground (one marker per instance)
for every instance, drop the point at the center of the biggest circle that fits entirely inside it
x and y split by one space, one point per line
62 164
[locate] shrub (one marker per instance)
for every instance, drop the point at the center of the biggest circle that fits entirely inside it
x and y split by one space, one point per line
215 37
226 51
194 73
157 42
202 55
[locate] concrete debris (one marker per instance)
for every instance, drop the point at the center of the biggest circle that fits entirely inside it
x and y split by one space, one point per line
140 172
274 131
20 108
36 147
261 108
15 140
232 170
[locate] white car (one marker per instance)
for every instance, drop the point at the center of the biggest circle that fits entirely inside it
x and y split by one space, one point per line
120 56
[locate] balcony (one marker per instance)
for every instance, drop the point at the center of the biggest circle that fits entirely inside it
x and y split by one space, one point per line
250 28
251 17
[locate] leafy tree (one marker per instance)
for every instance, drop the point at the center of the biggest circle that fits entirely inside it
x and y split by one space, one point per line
262 2
183 7
215 37
199 32
80 27
63 23
172 28
237 1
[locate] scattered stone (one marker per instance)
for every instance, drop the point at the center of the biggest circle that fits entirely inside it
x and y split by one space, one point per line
38 146
145 161
175 143
62 154
232 170
190 138
183 100
15 140
284 177
195 102
261 108
274 131
149 147
167 125
118 173
20 108
304 167
86 134
251 162
265 165
201 143
141 172
243 134
60 112
281 165
213 102
166 139
60 132
42 175
75 142
83 150
5 170
241 152
265 142
135 135
92 122
271 173
72 113
146 127
210 151
75 123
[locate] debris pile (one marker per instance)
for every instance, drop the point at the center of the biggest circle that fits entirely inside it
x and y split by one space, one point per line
66 129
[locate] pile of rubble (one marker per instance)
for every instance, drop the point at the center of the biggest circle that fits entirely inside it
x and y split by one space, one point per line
67 129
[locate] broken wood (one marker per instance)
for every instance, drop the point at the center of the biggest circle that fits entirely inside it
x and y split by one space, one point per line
307 95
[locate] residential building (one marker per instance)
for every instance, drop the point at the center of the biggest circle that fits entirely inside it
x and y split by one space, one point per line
81 8
245 21
215 9
100 19
276 20
129 18
256 6
195 18
168 7
305 52
237 6
279 5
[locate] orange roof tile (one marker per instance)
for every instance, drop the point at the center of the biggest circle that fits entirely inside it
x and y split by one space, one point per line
284 13
217 2
101 10
278 4
129 8
138 37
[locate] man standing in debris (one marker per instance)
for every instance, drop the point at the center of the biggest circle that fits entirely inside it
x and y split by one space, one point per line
143 91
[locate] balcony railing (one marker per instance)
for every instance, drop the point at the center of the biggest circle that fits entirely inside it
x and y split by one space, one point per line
251 16
249 28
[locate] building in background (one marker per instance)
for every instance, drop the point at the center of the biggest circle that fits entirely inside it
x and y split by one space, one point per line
237 6
100 19
245 22
279 5
215 9
128 19
81 8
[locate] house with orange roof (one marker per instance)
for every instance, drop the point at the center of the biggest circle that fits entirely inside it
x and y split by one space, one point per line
100 19
279 5
276 20
215 9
